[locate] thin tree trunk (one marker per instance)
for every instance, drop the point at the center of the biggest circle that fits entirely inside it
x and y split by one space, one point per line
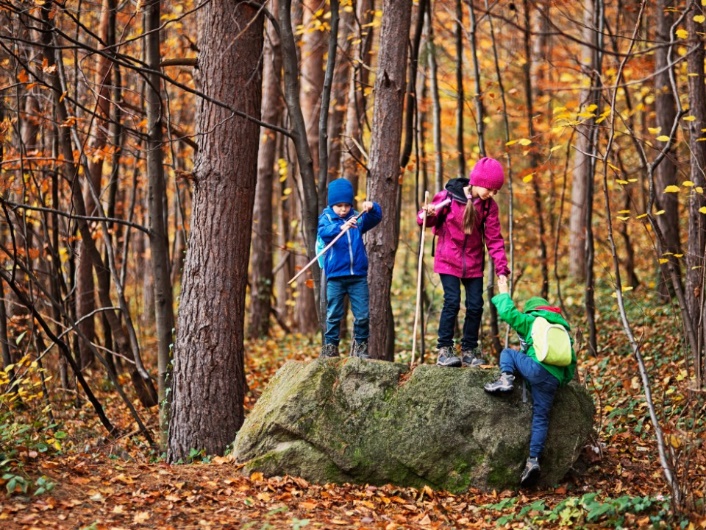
582 162
460 98
157 198
262 244
665 115
307 183
535 161
435 103
85 294
697 149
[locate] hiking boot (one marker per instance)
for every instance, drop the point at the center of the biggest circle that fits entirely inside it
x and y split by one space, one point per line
329 350
501 385
530 474
360 349
472 358
447 357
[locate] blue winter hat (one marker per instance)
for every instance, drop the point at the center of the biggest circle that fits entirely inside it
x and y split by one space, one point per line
340 191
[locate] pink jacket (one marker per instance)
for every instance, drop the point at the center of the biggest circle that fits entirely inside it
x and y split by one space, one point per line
463 255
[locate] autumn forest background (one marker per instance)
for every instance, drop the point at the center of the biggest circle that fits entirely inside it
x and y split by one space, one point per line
162 169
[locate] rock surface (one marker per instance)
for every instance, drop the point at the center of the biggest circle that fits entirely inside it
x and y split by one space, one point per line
375 422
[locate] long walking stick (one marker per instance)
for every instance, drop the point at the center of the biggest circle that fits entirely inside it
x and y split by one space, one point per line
419 280
322 252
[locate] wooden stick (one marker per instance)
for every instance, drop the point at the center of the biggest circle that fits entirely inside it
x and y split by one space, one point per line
322 252
419 280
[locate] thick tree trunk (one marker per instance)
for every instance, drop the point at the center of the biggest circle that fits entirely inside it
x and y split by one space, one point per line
209 380
262 245
384 179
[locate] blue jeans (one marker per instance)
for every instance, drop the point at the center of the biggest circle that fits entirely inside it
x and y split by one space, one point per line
356 287
452 305
543 386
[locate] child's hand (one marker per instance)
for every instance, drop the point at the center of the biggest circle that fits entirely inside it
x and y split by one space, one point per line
366 206
430 209
502 284
351 223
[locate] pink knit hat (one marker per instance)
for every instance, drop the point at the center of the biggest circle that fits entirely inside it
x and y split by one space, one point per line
487 173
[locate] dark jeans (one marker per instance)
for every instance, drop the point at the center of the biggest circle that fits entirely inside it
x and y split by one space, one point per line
356 287
452 305
543 386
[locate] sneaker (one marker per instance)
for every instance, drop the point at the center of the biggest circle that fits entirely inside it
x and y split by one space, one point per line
329 350
360 349
530 474
472 357
447 357
503 384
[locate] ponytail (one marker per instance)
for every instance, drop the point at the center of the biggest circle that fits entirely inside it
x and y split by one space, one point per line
469 217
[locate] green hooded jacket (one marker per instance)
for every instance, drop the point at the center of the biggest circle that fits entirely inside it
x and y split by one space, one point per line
522 324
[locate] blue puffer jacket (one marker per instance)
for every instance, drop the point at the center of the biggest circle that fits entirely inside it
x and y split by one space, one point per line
347 257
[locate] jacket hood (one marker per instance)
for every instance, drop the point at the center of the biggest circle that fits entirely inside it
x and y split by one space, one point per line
455 189
540 307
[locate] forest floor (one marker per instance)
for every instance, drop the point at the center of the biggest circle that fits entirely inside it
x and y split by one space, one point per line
71 476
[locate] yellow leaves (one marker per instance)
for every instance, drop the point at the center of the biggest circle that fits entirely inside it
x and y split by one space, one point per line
688 184
682 33
702 210
689 118
699 19
671 189
654 130
663 138
528 178
522 141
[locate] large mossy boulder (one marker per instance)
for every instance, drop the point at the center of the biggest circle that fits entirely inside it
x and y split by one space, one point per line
375 422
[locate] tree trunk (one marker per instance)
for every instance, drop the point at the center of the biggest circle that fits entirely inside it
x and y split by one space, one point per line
339 94
384 179
582 163
85 292
306 184
697 148
352 158
262 245
665 114
209 380
436 103
157 200
460 100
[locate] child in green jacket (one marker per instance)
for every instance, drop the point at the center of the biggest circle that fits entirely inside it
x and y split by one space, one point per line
544 378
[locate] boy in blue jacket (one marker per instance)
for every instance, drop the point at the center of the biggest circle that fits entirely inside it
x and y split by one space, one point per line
345 265
544 378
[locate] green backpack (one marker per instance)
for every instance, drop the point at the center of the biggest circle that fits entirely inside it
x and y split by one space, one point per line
552 344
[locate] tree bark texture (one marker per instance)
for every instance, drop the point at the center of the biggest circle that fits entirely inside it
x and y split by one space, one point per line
209 380
352 158
85 292
665 114
697 148
385 173
157 202
262 244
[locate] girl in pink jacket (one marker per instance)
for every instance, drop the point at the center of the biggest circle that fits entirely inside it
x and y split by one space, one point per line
465 219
